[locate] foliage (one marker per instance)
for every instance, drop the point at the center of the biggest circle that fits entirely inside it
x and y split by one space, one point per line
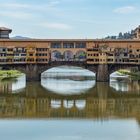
133 75
9 74
127 35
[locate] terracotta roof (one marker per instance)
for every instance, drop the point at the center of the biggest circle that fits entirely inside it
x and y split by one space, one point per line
5 29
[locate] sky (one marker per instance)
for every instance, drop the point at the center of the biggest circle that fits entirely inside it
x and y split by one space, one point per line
81 19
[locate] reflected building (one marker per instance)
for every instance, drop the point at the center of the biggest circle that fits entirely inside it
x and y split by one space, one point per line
92 105
130 86
101 102
134 85
93 108
5 87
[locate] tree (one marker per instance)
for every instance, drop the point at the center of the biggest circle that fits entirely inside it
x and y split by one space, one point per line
120 35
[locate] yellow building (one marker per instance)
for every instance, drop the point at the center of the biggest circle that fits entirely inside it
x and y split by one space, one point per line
90 51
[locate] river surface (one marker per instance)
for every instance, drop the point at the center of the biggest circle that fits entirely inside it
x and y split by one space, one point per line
69 105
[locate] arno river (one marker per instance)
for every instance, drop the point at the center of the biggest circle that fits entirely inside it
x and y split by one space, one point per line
69 105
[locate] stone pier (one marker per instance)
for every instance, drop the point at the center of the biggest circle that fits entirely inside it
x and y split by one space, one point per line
102 73
33 71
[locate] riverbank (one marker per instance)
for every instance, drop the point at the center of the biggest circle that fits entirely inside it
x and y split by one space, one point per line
133 75
9 74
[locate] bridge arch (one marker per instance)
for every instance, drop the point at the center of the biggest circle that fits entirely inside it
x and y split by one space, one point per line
68 55
44 68
79 80
33 71
80 55
115 68
56 55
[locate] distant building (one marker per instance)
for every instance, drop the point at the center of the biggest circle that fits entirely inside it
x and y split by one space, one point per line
136 34
4 33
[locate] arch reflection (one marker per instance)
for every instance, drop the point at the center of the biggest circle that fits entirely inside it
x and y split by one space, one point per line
125 86
99 102
13 85
67 86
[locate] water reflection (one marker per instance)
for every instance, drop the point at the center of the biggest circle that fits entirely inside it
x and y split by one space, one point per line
130 86
19 84
66 86
69 130
98 111
70 98
67 71
100 101
13 85
107 110
120 86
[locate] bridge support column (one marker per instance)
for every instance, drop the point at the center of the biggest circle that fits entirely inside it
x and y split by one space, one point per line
102 73
32 73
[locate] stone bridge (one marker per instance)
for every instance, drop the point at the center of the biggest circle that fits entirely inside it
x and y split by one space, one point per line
103 57
33 71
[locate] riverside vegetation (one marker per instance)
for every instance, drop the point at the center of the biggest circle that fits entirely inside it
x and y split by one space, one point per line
9 74
135 75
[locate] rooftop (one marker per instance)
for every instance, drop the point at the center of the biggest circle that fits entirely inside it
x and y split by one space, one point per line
5 29
70 40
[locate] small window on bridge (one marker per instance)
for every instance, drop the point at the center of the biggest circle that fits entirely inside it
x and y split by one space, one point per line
80 45
30 54
109 60
68 45
41 49
30 60
23 54
56 45
2 49
125 54
10 49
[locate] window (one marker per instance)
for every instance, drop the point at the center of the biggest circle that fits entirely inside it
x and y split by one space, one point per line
41 49
125 54
56 45
23 54
68 45
110 60
80 45
10 49
95 49
30 54
30 59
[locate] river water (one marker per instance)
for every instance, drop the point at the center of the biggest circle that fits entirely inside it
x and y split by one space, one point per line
69 105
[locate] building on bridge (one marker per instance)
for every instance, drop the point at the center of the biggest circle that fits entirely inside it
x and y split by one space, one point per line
4 33
33 56
137 33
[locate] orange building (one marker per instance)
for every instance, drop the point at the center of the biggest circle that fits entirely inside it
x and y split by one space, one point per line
43 51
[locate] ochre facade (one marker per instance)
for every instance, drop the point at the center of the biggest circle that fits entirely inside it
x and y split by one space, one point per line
37 51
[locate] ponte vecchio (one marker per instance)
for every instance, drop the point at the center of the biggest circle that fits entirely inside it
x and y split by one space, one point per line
102 56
